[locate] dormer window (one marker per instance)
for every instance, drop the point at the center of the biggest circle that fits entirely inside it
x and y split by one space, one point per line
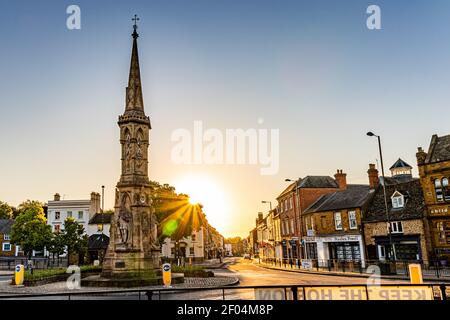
398 200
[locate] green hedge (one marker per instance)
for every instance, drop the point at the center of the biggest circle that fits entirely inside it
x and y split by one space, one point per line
39 274
187 268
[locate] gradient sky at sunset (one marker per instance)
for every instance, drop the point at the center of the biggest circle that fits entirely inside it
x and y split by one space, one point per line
308 68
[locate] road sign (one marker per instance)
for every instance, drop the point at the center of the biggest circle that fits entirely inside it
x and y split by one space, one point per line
415 273
19 274
167 274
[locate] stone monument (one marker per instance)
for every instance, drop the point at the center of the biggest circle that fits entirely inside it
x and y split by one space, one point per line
132 249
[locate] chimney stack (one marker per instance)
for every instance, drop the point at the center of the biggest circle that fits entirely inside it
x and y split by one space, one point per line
341 179
374 180
421 156
56 197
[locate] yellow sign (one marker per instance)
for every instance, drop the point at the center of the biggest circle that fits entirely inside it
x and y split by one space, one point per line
332 293
401 293
167 274
387 292
415 274
19 274
273 294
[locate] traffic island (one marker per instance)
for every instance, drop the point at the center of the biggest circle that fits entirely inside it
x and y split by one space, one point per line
128 282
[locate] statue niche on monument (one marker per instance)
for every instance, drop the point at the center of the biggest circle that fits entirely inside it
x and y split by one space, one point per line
128 152
124 222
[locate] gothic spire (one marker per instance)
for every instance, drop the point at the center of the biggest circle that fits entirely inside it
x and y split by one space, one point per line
134 100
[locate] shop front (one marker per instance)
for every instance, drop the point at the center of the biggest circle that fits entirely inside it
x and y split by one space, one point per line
331 250
407 248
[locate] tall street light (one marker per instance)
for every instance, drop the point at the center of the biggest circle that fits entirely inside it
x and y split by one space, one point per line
297 217
269 202
371 134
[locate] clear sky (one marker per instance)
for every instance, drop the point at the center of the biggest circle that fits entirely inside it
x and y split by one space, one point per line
311 69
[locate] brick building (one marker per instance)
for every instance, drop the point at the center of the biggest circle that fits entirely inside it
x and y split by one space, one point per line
294 200
434 173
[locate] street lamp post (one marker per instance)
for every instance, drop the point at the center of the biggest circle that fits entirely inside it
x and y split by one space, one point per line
371 134
269 202
297 218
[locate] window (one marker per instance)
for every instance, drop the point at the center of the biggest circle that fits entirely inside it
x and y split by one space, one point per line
352 220
6 246
57 215
338 221
292 226
438 190
99 228
57 228
396 227
69 214
282 228
441 232
6 237
398 200
193 237
446 189
290 203
286 205
80 215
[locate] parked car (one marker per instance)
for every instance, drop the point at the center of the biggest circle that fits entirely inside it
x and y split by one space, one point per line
247 256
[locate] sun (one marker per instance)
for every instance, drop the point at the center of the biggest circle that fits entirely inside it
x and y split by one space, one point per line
205 191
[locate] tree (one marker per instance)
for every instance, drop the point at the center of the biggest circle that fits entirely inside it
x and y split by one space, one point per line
177 217
34 205
30 230
74 238
6 211
56 246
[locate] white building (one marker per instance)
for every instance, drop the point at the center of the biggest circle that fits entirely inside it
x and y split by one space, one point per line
228 249
190 248
85 212
81 210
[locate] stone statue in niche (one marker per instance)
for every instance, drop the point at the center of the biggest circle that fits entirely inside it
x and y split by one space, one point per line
124 221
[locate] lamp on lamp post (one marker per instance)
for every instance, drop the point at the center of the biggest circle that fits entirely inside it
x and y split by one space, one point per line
371 134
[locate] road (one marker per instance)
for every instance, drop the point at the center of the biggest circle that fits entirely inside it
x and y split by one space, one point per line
249 274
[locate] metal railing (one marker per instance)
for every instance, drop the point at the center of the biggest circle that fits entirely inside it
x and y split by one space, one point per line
9 263
399 268
289 292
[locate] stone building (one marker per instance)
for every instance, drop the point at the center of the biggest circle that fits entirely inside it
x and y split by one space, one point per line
333 226
406 210
434 173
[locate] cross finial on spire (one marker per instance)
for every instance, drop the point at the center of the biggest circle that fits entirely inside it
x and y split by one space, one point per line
135 19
